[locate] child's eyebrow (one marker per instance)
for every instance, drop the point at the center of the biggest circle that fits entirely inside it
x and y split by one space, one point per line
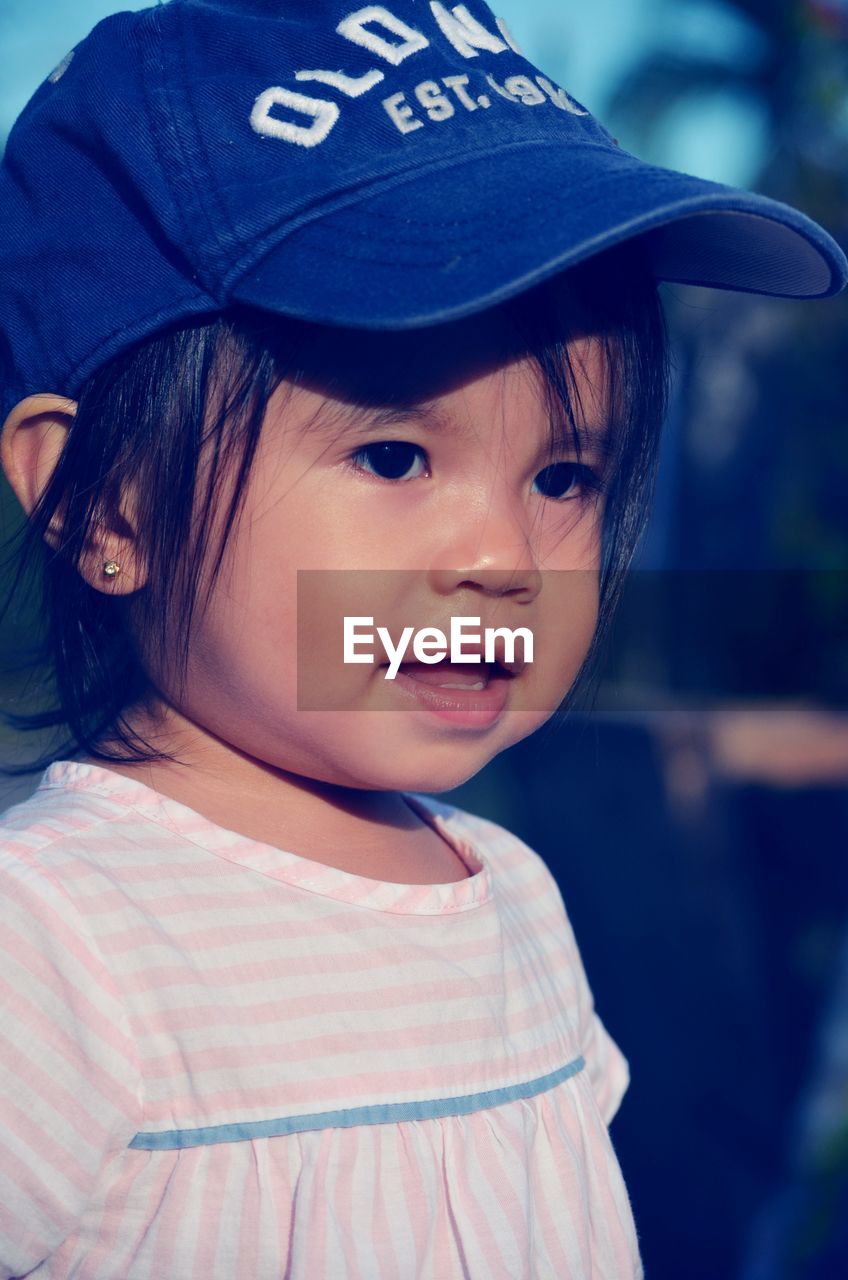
599 441
372 418
363 417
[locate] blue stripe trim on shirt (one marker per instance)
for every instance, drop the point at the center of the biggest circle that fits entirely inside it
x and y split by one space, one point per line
387 1113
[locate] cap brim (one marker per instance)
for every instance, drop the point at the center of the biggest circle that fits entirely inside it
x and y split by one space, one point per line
441 243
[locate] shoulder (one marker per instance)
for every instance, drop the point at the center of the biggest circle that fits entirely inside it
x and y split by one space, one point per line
63 827
49 939
54 808
48 841
61 850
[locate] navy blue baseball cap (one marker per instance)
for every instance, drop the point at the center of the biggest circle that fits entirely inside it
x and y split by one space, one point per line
385 166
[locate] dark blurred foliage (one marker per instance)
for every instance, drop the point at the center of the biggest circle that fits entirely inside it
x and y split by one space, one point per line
762 379
695 637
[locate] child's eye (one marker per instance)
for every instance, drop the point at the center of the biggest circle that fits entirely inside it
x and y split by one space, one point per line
389 459
567 480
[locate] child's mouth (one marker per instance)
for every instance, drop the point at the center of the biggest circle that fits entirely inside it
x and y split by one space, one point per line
452 675
472 696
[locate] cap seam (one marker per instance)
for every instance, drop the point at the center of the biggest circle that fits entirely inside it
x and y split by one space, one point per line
167 92
735 201
201 146
620 231
361 191
174 311
158 68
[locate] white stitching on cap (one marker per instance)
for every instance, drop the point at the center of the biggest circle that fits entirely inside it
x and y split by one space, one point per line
400 113
59 70
509 37
559 97
353 28
498 88
437 105
464 32
353 86
523 88
325 116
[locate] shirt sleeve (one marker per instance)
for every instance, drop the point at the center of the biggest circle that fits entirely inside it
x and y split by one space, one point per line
70 1085
607 1066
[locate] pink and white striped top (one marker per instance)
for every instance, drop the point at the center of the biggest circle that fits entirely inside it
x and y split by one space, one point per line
225 1061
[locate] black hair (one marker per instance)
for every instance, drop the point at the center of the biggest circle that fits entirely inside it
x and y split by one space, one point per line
146 419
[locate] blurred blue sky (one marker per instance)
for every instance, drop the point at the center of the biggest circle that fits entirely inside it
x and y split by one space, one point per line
585 48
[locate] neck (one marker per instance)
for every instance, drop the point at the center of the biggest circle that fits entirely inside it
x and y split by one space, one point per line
372 833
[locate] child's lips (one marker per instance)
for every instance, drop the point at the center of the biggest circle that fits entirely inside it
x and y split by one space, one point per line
452 675
477 704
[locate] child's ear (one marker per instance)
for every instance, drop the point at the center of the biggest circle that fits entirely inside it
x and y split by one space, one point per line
31 443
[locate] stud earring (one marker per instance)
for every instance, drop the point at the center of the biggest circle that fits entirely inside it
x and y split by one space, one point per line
110 568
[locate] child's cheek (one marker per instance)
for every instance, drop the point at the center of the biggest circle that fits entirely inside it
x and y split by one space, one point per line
571 616
575 537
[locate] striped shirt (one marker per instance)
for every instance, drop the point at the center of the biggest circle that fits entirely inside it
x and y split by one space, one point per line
223 1061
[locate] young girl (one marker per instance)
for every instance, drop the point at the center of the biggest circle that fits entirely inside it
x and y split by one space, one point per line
310 314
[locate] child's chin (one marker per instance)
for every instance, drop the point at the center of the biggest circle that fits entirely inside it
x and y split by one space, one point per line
393 759
429 773
436 780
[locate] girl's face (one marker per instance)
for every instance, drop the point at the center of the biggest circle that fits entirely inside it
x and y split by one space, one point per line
444 505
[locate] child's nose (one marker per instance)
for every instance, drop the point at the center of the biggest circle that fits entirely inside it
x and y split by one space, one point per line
519 581
490 548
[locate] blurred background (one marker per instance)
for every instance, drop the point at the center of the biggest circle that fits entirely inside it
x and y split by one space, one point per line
697 818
